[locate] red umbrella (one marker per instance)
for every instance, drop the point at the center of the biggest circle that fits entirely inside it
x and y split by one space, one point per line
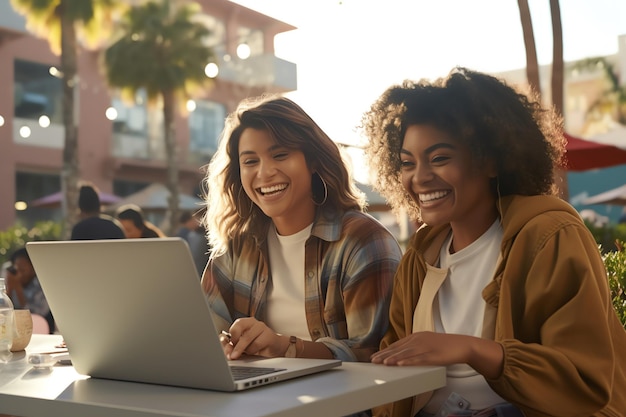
583 154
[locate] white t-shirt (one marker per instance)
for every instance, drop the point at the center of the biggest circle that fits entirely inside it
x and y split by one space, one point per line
285 300
459 308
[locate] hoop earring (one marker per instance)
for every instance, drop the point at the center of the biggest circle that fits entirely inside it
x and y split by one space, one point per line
238 204
325 190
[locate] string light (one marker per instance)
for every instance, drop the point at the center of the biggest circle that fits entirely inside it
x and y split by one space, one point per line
44 121
25 132
243 51
111 113
211 70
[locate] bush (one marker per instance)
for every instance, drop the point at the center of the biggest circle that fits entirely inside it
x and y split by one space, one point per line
607 235
615 262
17 236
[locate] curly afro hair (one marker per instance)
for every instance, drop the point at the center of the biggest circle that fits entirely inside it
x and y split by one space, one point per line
497 122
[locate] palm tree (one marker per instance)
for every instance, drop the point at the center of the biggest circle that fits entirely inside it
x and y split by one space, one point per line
557 56
532 65
62 23
532 69
161 50
557 84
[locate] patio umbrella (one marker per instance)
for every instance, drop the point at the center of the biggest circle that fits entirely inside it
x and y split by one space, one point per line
616 197
583 155
154 197
54 200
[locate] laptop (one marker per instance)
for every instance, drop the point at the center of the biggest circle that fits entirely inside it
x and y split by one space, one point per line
134 310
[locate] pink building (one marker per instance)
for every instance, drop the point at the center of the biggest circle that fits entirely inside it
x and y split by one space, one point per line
121 148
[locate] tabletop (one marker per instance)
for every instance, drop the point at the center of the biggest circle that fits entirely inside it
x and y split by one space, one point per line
26 391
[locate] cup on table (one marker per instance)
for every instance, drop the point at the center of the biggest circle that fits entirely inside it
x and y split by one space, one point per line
23 330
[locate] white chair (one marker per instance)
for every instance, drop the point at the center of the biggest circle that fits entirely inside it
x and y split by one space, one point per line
40 324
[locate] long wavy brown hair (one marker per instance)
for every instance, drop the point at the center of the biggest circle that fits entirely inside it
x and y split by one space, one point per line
230 213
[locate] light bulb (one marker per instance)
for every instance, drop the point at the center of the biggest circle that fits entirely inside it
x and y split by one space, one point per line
211 70
243 51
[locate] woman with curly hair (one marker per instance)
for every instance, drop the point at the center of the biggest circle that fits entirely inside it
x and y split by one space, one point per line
503 284
297 269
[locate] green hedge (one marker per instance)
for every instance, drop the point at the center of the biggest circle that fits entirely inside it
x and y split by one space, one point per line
16 237
615 262
607 235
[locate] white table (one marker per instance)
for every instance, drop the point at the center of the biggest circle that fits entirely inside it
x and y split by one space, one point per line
61 391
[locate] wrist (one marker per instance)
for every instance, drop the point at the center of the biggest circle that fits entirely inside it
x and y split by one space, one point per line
292 348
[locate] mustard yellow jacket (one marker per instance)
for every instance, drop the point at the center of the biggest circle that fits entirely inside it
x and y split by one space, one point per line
564 347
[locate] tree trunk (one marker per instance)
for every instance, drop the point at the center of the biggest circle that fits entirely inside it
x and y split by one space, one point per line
69 172
171 155
557 84
532 65
557 57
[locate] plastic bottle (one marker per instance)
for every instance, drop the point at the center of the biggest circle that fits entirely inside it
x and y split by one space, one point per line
6 324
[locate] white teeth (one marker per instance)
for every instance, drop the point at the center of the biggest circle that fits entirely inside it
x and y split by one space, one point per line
273 188
425 198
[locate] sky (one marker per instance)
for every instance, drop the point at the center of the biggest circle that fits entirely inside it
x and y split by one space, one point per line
349 51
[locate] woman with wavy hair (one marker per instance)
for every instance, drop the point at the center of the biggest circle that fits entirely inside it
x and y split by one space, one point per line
297 269
503 283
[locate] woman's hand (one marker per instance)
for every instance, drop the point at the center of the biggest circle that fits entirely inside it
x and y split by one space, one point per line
252 337
429 348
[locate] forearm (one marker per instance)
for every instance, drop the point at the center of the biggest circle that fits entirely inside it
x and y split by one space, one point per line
313 350
486 357
302 348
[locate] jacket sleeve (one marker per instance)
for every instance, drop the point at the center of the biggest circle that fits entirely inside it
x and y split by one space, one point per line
559 360
368 265
403 301
218 288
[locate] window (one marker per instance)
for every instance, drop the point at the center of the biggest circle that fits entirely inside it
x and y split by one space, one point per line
137 128
36 92
253 38
130 118
206 123
30 186
217 29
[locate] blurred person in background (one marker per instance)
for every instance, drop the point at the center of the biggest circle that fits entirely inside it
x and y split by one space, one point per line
23 287
187 222
93 223
134 225
194 233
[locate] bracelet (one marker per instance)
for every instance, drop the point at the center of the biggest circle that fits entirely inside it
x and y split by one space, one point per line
292 350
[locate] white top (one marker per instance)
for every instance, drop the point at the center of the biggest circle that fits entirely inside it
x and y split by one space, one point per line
285 301
460 308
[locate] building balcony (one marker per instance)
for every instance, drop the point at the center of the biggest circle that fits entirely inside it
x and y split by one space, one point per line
265 71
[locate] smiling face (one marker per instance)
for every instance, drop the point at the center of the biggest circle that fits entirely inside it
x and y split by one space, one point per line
276 179
438 173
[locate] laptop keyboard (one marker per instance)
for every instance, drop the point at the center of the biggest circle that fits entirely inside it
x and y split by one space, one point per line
243 372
